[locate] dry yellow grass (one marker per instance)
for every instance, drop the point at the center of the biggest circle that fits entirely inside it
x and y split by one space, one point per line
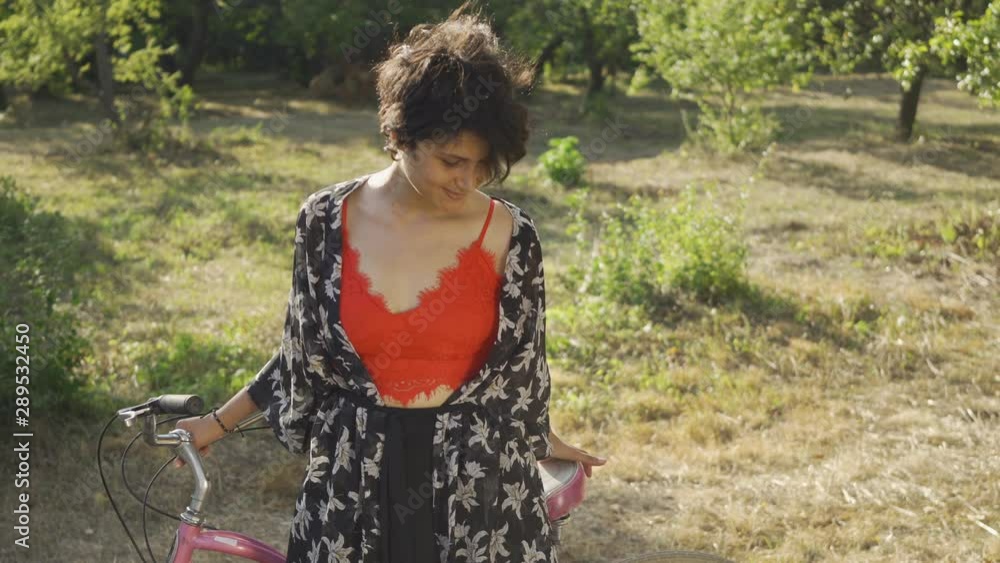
817 452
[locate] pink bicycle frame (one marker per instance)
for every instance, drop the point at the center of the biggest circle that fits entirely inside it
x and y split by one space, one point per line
190 538
563 483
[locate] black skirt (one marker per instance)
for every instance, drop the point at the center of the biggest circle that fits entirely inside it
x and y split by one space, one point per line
406 486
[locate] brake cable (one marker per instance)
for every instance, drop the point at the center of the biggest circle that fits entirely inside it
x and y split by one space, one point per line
145 499
107 491
125 477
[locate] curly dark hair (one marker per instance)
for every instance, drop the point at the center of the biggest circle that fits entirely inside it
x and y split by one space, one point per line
453 76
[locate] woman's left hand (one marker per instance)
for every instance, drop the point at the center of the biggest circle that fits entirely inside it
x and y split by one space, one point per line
562 450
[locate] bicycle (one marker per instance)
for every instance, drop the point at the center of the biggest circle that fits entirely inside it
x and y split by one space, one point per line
562 482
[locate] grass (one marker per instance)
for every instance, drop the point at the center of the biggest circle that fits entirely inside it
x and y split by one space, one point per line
849 410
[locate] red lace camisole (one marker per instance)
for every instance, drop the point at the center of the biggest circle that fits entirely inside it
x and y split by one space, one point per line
428 351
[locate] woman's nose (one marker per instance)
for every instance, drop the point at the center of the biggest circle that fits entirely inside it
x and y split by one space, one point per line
466 181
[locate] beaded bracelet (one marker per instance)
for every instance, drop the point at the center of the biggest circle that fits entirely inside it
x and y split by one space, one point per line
224 429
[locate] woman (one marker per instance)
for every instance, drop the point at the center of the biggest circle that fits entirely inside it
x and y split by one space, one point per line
412 366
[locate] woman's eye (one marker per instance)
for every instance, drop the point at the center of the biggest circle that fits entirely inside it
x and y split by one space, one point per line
450 164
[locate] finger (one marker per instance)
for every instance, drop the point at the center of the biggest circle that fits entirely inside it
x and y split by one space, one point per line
591 459
587 470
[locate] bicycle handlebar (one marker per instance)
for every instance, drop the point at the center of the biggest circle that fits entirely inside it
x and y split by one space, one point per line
179 404
178 438
164 404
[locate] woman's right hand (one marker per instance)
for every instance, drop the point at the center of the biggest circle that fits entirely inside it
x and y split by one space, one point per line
204 431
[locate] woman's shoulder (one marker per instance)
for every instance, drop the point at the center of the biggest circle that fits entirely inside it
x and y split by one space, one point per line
323 201
333 192
524 225
525 244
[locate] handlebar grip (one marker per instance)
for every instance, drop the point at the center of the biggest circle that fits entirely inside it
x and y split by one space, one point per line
179 404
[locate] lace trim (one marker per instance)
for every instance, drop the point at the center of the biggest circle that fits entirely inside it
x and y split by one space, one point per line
488 259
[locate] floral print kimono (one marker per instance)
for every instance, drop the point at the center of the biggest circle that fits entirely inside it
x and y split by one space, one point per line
487 497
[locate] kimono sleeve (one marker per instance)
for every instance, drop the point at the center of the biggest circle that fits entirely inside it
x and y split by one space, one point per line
535 389
287 389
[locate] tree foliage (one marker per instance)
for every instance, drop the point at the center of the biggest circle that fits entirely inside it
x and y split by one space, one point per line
722 53
972 47
52 43
907 38
597 33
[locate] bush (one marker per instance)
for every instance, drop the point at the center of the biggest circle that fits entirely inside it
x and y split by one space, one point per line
36 249
648 252
747 129
210 368
970 231
563 162
722 54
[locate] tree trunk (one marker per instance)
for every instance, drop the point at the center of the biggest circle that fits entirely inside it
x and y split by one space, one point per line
594 63
105 78
201 10
546 55
596 77
908 108
80 82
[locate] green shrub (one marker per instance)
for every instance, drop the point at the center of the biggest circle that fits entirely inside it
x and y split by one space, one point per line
596 106
649 251
240 135
971 231
722 55
563 162
745 129
37 251
213 369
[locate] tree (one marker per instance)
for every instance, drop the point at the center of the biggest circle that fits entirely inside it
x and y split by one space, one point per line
900 35
201 11
722 53
599 30
972 47
43 44
48 43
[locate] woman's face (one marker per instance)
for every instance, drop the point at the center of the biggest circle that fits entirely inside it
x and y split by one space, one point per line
448 172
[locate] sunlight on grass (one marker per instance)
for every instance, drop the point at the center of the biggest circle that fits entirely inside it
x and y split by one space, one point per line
832 400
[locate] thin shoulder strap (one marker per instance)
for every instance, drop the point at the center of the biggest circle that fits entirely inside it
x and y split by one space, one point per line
343 215
479 241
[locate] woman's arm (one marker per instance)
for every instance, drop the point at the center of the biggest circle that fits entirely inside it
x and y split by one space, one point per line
562 450
205 430
237 409
288 388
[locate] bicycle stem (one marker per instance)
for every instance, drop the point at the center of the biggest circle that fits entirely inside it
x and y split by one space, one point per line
181 440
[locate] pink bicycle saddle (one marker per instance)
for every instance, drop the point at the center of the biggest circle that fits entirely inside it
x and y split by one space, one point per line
562 481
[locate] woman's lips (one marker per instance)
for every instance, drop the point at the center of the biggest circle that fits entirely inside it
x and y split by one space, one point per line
453 194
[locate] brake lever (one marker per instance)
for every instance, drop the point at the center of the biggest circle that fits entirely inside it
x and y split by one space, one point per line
128 415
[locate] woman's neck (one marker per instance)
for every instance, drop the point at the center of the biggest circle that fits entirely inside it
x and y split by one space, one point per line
394 190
